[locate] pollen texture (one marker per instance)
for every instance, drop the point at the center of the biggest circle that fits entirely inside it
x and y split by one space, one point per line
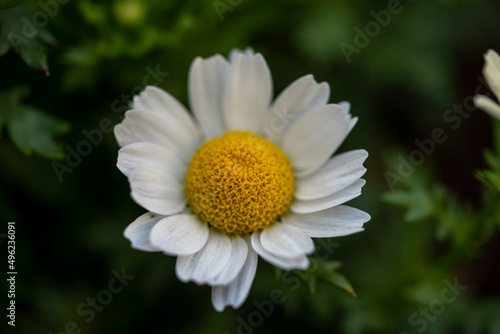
239 183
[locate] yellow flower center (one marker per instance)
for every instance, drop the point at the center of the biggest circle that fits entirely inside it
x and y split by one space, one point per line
239 183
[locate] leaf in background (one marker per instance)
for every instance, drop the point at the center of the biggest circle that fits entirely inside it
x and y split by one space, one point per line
491 159
489 179
336 279
423 199
417 201
30 42
29 128
325 271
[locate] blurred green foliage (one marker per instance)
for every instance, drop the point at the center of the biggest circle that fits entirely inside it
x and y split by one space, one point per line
30 129
69 233
32 42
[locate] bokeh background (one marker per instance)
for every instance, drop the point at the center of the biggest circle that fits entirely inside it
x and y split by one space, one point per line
82 65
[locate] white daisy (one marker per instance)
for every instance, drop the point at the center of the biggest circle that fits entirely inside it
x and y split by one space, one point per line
491 72
242 178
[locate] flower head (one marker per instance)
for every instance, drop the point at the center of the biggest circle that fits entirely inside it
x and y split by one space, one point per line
491 72
245 177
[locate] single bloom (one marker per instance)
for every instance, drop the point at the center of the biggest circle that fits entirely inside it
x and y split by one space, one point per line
241 178
491 72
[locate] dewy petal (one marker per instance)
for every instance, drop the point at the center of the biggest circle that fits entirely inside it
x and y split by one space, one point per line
239 252
334 222
156 190
138 155
313 138
182 234
139 230
286 241
204 265
159 128
488 105
340 197
300 262
301 96
248 93
207 79
339 172
237 291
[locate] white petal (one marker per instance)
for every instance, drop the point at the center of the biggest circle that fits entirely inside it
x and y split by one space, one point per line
141 126
301 96
339 172
139 230
334 222
491 71
488 105
239 252
235 293
346 107
299 262
248 93
286 241
138 155
156 190
207 80
340 197
159 128
352 123
182 234
204 265
159 101
235 52
493 58
313 138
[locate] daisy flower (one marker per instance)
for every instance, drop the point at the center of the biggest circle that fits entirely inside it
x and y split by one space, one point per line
491 72
241 178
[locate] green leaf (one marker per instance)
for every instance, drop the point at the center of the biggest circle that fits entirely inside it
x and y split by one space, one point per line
311 284
417 201
423 199
32 130
336 279
491 159
32 43
489 179
325 271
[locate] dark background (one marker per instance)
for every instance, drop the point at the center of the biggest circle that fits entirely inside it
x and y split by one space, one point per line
69 232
